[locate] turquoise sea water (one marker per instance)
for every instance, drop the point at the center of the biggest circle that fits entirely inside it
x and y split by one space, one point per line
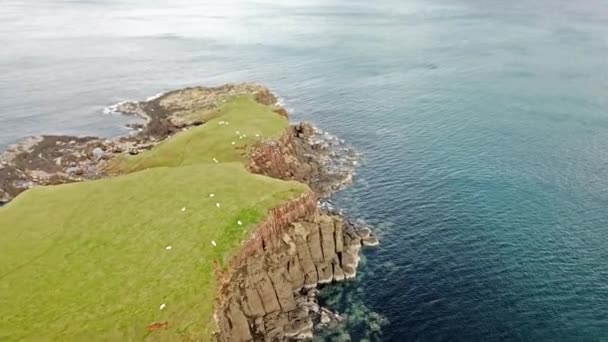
483 126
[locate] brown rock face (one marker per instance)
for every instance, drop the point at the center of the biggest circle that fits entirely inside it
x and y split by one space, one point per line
267 283
308 266
297 156
283 288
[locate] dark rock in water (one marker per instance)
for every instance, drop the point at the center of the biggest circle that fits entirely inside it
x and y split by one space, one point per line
349 272
370 241
364 233
300 326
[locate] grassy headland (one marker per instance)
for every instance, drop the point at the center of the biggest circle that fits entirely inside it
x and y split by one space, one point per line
233 127
97 259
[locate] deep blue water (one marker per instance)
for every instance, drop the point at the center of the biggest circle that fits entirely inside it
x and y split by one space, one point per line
483 125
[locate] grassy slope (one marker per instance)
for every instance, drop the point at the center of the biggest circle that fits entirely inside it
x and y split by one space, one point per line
89 260
213 140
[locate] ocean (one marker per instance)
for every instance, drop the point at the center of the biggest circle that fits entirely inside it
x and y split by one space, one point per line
483 127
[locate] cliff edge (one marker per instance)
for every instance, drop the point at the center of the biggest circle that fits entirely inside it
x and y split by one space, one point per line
215 195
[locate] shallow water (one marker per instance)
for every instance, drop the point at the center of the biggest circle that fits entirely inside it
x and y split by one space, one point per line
483 125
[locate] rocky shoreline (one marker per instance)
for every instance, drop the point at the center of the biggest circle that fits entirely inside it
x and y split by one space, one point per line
269 291
272 296
51 160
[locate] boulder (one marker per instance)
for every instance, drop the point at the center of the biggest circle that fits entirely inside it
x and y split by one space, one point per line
349 272
338 273
97 153
364 233
274 325
370 241
325 319
325 272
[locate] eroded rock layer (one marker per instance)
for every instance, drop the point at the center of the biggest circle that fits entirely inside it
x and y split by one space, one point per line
266 296
297 155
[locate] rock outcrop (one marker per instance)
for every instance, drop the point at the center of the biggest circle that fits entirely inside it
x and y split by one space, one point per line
269 292
301 154
169 112
266 295
305 155
51 160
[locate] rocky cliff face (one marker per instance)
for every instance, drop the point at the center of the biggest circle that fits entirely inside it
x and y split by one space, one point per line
269 292
265 297
305 155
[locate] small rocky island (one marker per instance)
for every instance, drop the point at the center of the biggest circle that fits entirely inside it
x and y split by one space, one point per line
210 211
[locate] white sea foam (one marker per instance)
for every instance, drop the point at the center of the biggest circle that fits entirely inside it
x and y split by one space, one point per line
156 96
113 109
281 103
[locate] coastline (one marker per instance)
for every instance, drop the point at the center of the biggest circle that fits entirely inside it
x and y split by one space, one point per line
269 287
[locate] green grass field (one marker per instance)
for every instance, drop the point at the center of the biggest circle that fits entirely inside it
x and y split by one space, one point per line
91 260
247 122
